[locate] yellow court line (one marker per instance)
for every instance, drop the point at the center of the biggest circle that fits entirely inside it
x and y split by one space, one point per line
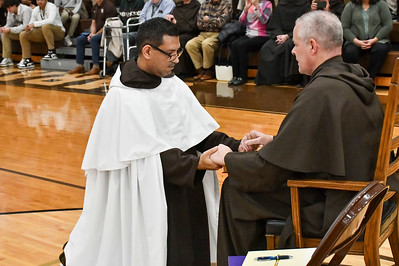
51 263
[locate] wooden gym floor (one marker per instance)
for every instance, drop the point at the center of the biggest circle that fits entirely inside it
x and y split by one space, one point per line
46 118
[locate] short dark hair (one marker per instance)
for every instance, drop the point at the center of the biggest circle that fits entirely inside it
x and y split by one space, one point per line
359 2
152 32
8 3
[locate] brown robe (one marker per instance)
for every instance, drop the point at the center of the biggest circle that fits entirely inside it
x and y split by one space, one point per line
188 235
332 132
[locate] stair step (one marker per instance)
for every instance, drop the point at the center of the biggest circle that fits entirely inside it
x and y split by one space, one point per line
63 64
72 51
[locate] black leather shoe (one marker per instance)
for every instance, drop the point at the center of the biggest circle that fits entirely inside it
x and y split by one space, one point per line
232 81
239 81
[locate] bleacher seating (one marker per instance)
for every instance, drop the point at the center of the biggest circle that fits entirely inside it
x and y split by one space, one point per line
383 79
40 49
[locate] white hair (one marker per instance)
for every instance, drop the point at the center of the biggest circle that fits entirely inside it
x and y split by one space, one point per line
323 26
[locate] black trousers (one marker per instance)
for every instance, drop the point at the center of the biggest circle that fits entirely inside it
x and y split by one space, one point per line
185 67
377 52
239 53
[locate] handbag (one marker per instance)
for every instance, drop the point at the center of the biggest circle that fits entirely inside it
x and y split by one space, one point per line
224 71
231 31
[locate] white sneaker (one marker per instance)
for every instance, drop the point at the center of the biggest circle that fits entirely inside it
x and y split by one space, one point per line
68 41
21 63
50 56
28 64
7 62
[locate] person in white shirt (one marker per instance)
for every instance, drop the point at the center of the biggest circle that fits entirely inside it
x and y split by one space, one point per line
71 10
45 26
17 18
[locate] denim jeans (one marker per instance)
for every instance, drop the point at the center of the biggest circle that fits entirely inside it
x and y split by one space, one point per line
95 48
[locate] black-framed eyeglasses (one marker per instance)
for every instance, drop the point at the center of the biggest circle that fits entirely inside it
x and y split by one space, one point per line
172 57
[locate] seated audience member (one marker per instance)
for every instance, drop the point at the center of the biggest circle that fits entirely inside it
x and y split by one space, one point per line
72 10
255 16
240 6
44 26
367 24
334 6
151 9
276 64
146 200
129 8
321 137
185 17
393 8
213 14
156 9
31 3
17 19
102 10
3 16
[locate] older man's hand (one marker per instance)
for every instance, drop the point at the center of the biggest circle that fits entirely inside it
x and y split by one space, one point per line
206 163
218 156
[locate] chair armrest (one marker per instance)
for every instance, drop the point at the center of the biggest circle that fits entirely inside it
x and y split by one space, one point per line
389 195
315 183
322 184
337 185
328 184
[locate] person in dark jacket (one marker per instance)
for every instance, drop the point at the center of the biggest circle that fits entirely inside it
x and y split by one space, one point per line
185 17
321 137
334 6
276 64
102 10
3 17
129 8
3 14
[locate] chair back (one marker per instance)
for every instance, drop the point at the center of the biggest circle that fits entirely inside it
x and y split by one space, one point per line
349 225
385 165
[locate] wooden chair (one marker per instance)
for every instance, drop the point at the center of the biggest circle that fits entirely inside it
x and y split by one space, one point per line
378 229
349 225
343 233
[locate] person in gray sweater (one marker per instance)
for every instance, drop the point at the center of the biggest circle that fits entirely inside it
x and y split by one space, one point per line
17 18
366 24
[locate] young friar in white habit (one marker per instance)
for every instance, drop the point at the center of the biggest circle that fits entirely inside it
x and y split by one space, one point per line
149 197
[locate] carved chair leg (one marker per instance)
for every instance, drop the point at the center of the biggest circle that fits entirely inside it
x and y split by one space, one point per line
340 255
270 242
371 246
394 242
371 254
